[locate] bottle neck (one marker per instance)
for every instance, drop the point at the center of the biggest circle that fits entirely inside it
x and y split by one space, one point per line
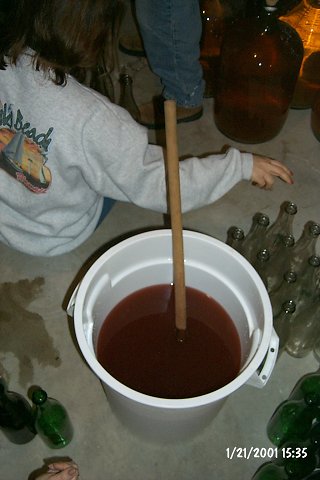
268 18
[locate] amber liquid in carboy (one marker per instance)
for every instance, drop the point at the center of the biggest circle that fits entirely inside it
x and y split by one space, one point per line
256 81
137 344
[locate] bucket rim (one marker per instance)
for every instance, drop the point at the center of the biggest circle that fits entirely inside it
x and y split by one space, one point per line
159 402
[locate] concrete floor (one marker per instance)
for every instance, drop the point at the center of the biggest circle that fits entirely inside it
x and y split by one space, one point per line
38 346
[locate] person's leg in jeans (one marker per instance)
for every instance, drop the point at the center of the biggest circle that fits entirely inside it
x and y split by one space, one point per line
171 32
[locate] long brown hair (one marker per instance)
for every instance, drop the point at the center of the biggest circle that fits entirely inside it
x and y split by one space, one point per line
65 35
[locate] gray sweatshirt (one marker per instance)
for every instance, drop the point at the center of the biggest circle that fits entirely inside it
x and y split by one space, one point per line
63 148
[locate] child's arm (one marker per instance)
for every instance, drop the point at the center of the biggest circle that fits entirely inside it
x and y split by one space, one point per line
265 170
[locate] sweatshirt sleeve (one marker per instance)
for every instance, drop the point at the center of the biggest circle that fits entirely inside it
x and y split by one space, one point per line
120 164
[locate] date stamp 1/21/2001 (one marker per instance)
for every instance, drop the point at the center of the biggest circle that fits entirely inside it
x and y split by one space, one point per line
268 453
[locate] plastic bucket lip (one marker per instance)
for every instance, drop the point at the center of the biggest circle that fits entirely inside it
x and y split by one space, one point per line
182 403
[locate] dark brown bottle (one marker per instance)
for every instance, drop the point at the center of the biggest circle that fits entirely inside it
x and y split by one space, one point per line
16 416
259 66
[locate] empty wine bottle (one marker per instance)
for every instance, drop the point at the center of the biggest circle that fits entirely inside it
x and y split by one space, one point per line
299 459
305 329
306 290
279 262
308 389
270 471
282 226
235 238
291 421
314 476
52 421
126 99
282 323
305 245
315 435
255 238
260 264
284 293
16 416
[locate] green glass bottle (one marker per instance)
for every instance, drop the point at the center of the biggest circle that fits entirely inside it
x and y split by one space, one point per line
299 459
16 416
307 389
314 476
315 436
270 471
52 420
291 421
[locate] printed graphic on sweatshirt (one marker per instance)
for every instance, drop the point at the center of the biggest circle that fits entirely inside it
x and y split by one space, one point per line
23 153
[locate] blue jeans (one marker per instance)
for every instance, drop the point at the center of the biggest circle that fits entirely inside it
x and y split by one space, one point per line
106 207
171 32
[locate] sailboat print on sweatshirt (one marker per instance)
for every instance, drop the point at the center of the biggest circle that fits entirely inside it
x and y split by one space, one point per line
19 158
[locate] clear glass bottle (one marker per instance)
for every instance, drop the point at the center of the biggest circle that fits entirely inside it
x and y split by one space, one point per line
305 246
16 416
255 238
52 421
281 227
279 263
260 264
235 238
126 99
305 329
307 285
259 65
305 19
284 293
282 323
214 14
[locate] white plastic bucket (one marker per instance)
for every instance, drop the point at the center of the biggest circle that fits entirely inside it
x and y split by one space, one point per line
210 266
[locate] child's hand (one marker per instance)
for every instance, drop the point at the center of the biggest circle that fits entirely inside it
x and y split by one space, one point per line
61 471
266 169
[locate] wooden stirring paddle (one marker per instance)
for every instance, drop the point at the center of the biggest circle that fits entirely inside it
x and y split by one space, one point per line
176 218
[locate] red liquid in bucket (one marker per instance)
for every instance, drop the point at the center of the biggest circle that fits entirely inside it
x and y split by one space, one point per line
137 344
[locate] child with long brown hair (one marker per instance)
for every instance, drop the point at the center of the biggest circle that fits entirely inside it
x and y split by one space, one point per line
67 152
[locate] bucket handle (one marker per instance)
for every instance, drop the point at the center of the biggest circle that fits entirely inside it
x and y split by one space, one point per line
262 374
72 301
